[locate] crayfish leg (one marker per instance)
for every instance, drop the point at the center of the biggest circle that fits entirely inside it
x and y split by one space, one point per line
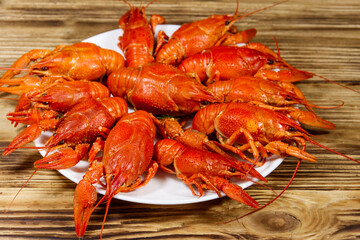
156 20
189 182
161 39
278 147
140 183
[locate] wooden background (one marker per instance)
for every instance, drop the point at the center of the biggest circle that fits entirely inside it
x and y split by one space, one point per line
321 36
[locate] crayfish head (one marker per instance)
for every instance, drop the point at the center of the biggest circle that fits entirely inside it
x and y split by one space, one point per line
133 18
294 131
217 24
53 65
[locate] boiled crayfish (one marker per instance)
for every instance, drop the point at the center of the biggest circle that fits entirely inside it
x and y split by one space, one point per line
204 169
78 128
137 41
127 154
60 94
192 38
253 89
255 128
159 89
227 62
80 61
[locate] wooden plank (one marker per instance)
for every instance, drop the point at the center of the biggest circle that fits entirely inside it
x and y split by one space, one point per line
322 202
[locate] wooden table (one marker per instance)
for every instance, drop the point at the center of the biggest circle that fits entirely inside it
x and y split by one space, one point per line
323 202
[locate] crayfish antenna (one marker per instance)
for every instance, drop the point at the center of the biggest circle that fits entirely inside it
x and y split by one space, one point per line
317 75
309 105
274 199
250 179
149 3
22 187
105 215
126 2
332 81
307 138
15 69
256 11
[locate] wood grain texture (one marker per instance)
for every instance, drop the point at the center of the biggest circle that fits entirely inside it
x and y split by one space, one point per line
321 36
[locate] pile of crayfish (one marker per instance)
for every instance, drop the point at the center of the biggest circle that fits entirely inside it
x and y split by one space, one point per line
239 96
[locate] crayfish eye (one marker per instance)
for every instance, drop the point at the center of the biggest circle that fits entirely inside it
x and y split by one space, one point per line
232 170
44 68
270 62
292 129
227 22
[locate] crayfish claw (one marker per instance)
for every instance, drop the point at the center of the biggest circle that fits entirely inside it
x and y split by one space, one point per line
84 201
311 119
277 147
64 158
29 134
85 197
234 191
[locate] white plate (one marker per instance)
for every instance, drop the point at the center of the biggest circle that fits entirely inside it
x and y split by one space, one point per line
164 188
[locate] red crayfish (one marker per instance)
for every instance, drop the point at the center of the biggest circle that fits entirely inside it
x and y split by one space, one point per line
80 61
227 62
159 89
254 128
61 94
128 152
204 169
192 38
78 128
137 41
